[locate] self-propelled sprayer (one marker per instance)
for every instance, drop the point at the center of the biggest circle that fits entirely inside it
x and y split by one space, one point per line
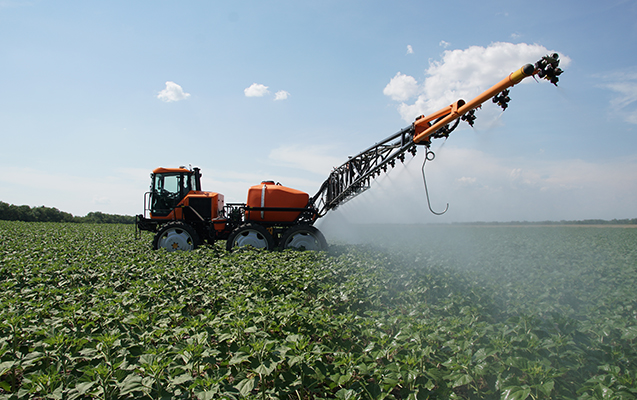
183 216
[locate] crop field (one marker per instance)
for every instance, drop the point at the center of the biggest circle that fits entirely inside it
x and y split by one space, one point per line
88 312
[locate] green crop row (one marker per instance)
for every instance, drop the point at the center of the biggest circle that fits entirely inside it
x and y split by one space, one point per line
88 312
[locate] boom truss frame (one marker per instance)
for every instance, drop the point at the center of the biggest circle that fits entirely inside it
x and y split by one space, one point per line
354 176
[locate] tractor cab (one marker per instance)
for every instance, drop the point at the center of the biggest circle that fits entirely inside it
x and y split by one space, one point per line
169 186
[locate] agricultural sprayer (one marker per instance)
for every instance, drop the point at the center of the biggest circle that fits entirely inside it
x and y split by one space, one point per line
183 216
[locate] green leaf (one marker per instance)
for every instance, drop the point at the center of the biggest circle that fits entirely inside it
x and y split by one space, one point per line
547 387
603 392
629 333
84 387
245 386
516 393
238 358
206 395
89 352
148 381
148 359
293 338
294 360
5 386
183 378
461 380
225 336
343 379
57 394
374 390
130 384
346 394
320 370
6 366
265 368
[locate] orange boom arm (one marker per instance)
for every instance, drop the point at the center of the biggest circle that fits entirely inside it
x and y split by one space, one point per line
423 127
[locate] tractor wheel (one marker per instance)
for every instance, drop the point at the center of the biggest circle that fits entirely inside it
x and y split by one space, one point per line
303 237
176 236
250 235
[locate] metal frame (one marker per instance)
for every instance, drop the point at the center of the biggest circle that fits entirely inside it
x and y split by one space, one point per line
354 176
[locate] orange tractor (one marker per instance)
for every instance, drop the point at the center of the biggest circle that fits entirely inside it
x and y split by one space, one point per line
182 216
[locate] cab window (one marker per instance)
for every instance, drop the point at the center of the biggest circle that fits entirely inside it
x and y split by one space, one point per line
168 190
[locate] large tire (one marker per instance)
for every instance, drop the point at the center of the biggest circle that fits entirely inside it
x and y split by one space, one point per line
250 235
176 235
303 237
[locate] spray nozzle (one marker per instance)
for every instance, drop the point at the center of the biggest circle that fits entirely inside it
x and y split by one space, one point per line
548 68
470 117
502 99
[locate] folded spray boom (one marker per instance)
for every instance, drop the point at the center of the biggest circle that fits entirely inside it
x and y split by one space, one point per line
354 176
